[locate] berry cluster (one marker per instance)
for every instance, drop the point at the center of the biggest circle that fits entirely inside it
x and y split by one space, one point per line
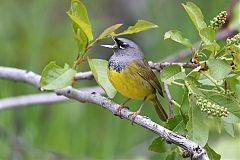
219 20
234 40
211 108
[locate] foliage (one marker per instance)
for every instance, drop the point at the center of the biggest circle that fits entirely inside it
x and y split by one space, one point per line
212 82
55 77
99 69
84 39
216 80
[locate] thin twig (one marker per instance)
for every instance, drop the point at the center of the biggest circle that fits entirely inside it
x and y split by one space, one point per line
169 97
84 75
196 151
159 66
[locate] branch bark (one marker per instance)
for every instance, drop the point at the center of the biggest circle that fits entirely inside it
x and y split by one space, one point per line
196 151
40 98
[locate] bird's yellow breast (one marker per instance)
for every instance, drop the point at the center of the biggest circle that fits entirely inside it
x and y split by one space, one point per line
130 84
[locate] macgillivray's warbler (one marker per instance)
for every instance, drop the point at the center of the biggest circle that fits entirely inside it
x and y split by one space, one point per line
132 76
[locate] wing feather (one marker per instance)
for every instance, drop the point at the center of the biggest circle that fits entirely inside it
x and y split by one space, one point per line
145 71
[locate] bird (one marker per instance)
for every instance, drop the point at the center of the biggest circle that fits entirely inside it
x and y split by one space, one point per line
131 75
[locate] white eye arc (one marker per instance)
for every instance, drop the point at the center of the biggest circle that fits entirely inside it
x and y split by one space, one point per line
123 45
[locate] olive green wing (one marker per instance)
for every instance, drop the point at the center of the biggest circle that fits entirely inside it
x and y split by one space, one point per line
145 71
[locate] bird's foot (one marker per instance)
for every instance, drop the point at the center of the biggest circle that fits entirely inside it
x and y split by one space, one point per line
134 115
119 109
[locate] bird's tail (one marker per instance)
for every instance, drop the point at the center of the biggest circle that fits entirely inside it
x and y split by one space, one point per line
159 109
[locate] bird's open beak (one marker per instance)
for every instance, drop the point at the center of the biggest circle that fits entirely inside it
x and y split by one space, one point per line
111 46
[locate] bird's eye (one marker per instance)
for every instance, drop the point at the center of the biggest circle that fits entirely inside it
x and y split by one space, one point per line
123 45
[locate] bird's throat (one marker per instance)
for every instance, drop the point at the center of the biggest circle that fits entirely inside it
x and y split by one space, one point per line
116 66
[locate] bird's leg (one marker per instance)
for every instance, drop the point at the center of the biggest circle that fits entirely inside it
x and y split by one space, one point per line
134 114
122 105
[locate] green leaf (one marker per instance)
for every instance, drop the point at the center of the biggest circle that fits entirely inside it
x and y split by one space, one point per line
177 36
176 124
231 118
174 156
233 83
141 25
235 51
218 69
171 73
193 76
197 129
229 128
223 100
211 153
184 105
56 77
235 20
160 145
80 38
195 13
208 37
235 48
79 15
99 69
108 31
226 101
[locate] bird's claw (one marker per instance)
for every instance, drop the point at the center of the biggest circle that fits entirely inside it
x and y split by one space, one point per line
133 115
119 109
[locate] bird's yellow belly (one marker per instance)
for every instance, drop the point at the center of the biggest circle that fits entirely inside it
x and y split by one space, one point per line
131 84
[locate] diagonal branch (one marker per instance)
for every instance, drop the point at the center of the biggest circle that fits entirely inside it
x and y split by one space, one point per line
196 151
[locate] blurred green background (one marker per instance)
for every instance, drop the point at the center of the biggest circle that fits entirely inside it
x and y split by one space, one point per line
35 32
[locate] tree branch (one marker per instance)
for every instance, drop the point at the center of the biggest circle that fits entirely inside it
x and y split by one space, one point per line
196 151
29 77
40 98
84 75
159 66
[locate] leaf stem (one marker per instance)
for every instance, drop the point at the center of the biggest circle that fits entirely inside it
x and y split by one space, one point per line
212 80
177 83
221 50
175 103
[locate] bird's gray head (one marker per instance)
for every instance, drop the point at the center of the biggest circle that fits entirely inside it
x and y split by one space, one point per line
123 46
